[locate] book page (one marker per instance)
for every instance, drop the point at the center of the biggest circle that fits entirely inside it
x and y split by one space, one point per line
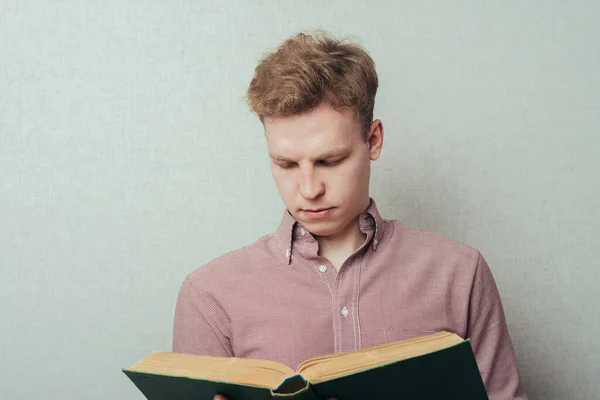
236 370
339 364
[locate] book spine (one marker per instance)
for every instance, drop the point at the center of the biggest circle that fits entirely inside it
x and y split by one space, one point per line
305 394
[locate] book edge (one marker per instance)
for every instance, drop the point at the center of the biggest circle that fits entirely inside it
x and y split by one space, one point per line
391 362
128 371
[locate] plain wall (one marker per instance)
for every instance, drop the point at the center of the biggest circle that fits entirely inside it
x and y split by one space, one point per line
128 158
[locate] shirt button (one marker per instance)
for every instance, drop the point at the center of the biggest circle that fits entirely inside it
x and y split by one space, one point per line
345 311
302 231
322 268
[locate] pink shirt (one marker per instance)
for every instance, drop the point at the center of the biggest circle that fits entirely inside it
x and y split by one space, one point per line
277 299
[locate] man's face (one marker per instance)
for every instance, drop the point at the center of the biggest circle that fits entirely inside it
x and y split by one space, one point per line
321 165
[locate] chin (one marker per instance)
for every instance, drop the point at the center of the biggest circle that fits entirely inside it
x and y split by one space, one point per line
320 228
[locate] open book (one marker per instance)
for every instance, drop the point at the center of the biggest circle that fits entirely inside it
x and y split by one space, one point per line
436 366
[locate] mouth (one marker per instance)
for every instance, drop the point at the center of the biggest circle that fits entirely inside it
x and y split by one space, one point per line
318 213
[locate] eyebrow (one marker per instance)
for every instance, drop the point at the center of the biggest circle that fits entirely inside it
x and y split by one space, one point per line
330 154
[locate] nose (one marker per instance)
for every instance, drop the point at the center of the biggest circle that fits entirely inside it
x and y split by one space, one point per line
311 186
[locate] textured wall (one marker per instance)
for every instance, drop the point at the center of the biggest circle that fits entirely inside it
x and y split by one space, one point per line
128 158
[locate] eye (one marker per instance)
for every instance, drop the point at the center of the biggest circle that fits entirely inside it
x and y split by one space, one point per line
287 165
327 163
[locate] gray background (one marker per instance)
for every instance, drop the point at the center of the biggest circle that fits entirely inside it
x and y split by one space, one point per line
128 158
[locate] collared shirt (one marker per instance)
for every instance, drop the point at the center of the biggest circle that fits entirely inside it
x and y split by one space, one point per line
277 299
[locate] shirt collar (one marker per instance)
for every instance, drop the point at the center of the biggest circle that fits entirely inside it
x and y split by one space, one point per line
367 221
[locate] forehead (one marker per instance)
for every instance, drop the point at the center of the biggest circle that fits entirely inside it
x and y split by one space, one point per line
322 130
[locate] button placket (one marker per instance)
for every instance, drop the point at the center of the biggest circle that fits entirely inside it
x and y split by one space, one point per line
347 323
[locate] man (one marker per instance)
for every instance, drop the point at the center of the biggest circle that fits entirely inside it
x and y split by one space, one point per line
335 276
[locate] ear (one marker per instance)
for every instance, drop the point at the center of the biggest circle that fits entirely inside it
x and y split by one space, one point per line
375 139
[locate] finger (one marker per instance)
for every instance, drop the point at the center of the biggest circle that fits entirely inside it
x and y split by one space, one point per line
219 397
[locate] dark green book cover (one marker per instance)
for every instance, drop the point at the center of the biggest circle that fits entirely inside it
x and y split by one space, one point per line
449 374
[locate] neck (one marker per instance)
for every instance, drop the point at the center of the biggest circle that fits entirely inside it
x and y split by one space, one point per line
337 248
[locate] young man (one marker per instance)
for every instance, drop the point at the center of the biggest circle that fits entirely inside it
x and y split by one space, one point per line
336 276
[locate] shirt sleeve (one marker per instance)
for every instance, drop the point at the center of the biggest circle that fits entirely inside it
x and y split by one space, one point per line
490 339
200 324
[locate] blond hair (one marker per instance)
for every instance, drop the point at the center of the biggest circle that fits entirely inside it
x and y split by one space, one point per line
308 70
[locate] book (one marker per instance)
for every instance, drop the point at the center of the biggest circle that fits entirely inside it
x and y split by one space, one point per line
436 366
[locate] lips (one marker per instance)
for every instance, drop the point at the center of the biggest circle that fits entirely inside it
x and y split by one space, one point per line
318 213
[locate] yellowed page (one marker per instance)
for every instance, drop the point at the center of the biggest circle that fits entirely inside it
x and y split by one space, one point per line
339 364
236 370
